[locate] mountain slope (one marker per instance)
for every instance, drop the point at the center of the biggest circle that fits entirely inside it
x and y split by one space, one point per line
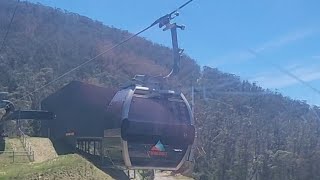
244 131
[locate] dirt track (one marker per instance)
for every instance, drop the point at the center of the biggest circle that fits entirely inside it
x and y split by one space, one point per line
43 149
166 175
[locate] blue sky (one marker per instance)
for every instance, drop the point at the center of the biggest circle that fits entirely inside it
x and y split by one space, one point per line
221 33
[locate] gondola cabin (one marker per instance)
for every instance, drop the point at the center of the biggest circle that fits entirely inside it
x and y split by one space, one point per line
137 127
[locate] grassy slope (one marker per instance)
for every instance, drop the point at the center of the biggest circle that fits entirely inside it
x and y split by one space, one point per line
4 159
13 144
63 167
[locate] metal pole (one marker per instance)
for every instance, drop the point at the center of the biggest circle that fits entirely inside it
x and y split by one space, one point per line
94 147
101 151
87 143
176 50
192 101
85 146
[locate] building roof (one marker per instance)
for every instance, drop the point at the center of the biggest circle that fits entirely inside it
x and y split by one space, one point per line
79 91
79 107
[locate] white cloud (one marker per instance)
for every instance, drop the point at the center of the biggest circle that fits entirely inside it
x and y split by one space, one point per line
284 40
240 56
280 80
233 57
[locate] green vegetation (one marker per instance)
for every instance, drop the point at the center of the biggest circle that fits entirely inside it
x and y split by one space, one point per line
254 134
264 136
63 167
4 157
13 152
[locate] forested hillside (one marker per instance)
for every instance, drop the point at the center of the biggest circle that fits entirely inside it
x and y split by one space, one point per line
244 131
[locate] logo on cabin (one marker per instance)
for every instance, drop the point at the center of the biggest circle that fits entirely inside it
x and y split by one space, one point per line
158 150
70 133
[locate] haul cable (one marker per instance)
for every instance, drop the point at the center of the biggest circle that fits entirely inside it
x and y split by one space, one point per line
108 50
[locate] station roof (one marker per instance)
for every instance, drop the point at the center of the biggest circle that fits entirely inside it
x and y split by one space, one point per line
77 91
